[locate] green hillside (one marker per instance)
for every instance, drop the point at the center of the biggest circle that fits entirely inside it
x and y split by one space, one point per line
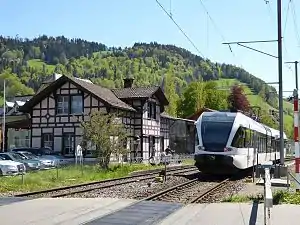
257 100
25 63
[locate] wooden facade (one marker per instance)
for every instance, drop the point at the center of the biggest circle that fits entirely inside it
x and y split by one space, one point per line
56 119
56 112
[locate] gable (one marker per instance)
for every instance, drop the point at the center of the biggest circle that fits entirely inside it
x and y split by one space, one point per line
64 83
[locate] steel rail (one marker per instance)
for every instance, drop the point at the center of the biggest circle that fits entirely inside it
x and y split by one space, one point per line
28 194
158 194
113 185
203 195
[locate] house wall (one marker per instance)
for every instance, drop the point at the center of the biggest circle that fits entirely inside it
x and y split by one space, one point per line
46 121
182 136
165 131
151 129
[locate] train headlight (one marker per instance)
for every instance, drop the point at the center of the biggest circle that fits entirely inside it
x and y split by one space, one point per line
227 149
201 148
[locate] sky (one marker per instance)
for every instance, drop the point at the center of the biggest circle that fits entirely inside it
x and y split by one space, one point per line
124 22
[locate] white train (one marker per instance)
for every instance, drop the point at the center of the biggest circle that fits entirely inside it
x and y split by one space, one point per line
225 142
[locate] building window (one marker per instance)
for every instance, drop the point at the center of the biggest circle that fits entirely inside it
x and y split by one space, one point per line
62 104
152 149
47 140
69 104
91 149
76 104
17 141
27 141
151 110
68 144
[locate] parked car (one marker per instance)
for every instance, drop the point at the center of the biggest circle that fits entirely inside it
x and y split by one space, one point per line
9 167
59 160
35 151
30 164
47 163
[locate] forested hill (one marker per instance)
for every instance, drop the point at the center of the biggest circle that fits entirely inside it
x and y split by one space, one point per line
26 63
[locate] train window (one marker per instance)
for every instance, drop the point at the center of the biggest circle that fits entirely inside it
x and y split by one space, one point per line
238 140
247 138
210 129
196 138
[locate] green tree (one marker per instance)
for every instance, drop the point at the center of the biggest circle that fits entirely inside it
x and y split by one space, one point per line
215 99
170 92
108 133
193 99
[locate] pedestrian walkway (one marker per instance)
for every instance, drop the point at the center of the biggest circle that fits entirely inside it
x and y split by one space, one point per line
104 211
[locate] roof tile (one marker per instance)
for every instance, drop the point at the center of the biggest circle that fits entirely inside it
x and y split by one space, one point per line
135 92
103 93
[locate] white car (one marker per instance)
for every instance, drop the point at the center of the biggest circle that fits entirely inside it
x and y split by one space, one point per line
9 167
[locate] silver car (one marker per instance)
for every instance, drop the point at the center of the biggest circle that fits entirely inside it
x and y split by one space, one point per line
58 159
9 167
46 162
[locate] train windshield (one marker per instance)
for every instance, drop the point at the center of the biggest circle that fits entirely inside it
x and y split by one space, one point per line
215 130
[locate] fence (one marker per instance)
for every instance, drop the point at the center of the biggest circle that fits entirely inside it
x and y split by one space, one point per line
156 160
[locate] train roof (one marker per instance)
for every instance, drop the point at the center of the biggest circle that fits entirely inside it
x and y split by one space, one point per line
246 122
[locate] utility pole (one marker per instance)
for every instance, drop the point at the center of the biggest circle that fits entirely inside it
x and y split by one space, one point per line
296 72
296 128
280 82
4 112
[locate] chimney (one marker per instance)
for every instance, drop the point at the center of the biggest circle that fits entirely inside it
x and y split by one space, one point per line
128 82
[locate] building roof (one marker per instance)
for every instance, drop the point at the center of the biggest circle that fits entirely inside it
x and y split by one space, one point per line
12 104
141 92
106 95
166 115
103 93
197 114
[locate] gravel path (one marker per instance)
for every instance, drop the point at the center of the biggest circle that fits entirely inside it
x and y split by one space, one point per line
137 190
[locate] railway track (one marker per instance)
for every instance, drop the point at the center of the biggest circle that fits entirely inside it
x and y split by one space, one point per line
193 191
86 187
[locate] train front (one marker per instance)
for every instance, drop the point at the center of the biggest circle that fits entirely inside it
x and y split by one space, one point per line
212 154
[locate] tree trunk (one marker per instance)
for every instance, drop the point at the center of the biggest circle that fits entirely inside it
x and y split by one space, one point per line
104 161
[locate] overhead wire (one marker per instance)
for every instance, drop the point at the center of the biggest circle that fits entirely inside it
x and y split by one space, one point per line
284 30
295 23
270 12
178 26
215 25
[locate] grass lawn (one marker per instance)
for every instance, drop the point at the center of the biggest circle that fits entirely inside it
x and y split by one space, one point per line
69 175
37 63
254 99
279 197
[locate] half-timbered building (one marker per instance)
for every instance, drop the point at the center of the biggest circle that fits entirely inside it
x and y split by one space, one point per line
56 110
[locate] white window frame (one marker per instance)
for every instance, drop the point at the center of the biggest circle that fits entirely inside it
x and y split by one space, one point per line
69 149
63 104
47 140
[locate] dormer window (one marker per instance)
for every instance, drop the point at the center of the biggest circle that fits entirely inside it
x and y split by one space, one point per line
151 110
